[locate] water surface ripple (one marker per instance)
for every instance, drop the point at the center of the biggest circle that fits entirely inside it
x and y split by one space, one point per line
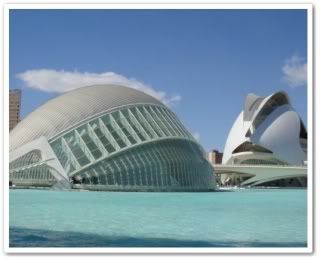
244 218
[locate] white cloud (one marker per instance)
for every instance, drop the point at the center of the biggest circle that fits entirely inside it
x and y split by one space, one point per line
49 80
196 136
295 71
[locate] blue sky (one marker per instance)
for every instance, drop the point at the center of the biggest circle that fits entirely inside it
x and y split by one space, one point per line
202 62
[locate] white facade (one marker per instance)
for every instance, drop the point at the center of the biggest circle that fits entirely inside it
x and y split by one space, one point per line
267 132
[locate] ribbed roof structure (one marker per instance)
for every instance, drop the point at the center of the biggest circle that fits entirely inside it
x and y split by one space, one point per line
68 109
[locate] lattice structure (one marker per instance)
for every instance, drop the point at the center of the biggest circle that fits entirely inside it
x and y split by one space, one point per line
133 146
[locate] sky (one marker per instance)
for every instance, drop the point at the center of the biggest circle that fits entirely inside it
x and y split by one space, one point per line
201 63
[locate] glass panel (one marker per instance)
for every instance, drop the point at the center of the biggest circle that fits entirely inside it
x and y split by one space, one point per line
165 121
27 159
159 121
152 169
137 168
137 128
76 149
107 121
123 171
106 168
175 122
143 168
143 122
103 139
121 124
130 169
151 121
102 179
116 172
61 155
161 166
83 131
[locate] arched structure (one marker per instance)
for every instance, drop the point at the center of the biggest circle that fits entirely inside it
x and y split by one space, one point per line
107 137
267 132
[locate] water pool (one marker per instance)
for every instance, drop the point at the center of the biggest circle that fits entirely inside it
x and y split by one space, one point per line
241 218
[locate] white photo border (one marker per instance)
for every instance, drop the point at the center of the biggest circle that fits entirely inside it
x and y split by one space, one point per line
122 250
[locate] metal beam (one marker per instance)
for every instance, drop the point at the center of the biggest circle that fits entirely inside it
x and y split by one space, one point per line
137 123
153 122
83 146
119 131
146 123
164 121
108 135
175 124
96 140
69 153
129 127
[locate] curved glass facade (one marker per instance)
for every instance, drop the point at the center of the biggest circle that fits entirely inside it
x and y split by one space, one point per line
135 147
165 165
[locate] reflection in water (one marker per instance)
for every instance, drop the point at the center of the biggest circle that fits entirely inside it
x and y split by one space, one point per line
23 237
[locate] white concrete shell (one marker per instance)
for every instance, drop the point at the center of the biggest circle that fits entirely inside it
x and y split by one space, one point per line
279 133
268 131
64 111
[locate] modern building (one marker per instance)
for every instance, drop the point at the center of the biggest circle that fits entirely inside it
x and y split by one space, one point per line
215 157
267 132
14 107
107 137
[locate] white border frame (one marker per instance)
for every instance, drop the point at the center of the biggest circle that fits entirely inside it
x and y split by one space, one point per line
122 250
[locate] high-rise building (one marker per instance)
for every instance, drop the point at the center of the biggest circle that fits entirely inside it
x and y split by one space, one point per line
215 157
14 107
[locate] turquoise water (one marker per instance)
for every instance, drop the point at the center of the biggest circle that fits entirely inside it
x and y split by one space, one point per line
243 218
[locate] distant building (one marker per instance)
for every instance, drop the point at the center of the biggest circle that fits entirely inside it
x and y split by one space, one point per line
215 157
14 107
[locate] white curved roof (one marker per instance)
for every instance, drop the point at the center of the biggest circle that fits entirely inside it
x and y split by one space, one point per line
277 131
235 137
69 108
254 104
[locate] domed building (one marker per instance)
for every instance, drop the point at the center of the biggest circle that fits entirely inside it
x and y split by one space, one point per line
267 132
107 137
